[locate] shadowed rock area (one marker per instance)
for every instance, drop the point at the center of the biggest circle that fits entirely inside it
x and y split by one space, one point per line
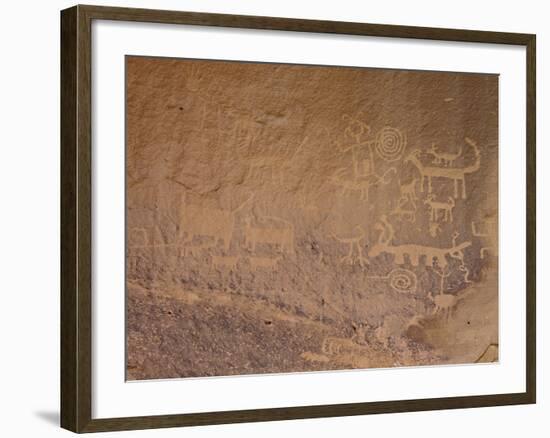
286 218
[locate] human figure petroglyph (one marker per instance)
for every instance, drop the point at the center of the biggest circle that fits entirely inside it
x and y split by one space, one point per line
282 237
466 272
434 228
227 262
356 128
454 174
457 253
354 243
443 273
387 232
436 207
389 145
444 158
389 142
203 221
413 251
486 228
403 213
408 191
361 185
445 303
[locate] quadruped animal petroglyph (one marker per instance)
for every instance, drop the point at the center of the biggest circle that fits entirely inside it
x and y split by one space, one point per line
204 221
458 174
436 207
442 157
445 303
281 236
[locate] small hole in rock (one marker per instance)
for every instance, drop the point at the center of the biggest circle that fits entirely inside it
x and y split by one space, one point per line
267 322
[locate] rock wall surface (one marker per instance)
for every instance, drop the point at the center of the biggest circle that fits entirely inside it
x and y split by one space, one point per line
285 218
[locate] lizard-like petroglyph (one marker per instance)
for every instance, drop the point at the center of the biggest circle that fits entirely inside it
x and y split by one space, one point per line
414 251
434 228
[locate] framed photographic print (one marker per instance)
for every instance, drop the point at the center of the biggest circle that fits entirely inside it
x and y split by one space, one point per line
271 218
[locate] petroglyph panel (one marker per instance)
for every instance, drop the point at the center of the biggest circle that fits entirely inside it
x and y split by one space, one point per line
288 218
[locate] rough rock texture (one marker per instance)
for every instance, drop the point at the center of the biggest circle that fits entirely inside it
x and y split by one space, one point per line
285 218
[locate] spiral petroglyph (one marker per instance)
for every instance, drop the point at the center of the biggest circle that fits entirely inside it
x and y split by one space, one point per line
403 280
390 143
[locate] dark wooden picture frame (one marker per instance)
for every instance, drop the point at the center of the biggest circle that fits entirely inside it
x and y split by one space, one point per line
76 218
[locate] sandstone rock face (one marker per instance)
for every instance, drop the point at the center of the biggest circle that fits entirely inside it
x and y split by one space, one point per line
286 218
